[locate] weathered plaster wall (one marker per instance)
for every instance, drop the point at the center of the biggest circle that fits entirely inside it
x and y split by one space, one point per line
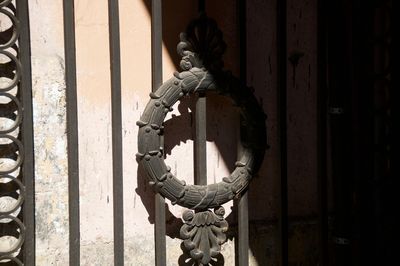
94 118
51 178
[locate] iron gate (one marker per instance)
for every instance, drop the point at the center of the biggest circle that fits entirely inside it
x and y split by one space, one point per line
15 45
16 38
17 221
200 140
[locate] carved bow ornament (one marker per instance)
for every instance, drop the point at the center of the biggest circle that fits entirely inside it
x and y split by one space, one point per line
201 48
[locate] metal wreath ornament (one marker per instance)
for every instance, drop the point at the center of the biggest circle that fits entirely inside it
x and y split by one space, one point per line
201 48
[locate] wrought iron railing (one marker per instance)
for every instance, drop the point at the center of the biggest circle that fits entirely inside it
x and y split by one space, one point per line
16 136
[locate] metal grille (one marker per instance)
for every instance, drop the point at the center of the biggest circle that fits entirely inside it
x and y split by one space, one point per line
354 75
16 145
73 161
16 180
16 183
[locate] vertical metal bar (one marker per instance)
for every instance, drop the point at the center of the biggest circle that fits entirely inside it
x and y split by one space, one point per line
243 212
72 132
282 106
116 116
27 133
156 43
243 224
200 141
156 67
160 231
322 134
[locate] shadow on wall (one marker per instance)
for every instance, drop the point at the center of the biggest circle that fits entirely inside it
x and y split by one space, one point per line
222 127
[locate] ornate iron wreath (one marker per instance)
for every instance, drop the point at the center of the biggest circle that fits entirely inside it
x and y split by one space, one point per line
201 63
201 48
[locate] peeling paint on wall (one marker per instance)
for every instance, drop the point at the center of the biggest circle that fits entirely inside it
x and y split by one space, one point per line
51 182
51 179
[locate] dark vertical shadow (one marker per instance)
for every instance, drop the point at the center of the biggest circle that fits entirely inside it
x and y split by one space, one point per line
323 240
282 127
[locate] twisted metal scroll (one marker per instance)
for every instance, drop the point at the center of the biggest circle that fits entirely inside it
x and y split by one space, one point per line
12 190
201 48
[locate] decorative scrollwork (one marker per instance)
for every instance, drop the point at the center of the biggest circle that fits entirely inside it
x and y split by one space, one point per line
201 48
204 233
12 190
